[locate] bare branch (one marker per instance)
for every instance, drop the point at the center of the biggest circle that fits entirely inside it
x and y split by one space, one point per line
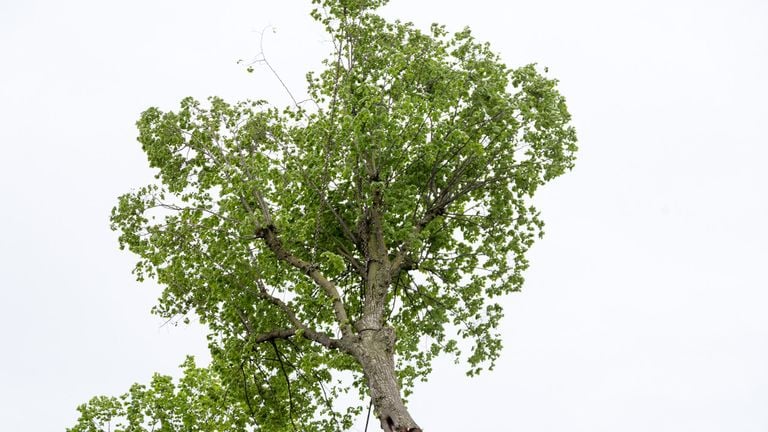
269 235
287 382
308 333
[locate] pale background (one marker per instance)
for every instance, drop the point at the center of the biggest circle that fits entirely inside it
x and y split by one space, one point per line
646 305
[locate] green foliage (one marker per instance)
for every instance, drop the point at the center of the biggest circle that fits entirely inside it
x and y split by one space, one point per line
198 402
202 400
431 128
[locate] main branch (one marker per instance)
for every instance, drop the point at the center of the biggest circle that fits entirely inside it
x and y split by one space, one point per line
269 234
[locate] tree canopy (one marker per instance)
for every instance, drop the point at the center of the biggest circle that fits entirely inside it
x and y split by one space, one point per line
340 246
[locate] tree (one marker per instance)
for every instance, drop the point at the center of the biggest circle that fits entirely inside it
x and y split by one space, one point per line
341 247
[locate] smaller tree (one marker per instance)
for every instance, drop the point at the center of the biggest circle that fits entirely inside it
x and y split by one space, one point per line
324 246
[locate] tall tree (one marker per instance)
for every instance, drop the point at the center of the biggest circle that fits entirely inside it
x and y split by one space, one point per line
343 246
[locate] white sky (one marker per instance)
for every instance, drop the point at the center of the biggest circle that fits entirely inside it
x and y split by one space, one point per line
646 305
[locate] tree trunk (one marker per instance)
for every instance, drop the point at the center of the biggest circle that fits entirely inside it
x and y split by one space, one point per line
376 356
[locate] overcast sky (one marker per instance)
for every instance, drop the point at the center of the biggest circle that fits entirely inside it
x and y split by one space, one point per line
646 304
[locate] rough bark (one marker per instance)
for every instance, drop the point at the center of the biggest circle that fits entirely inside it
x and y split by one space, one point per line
375 345
375 352
377 280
